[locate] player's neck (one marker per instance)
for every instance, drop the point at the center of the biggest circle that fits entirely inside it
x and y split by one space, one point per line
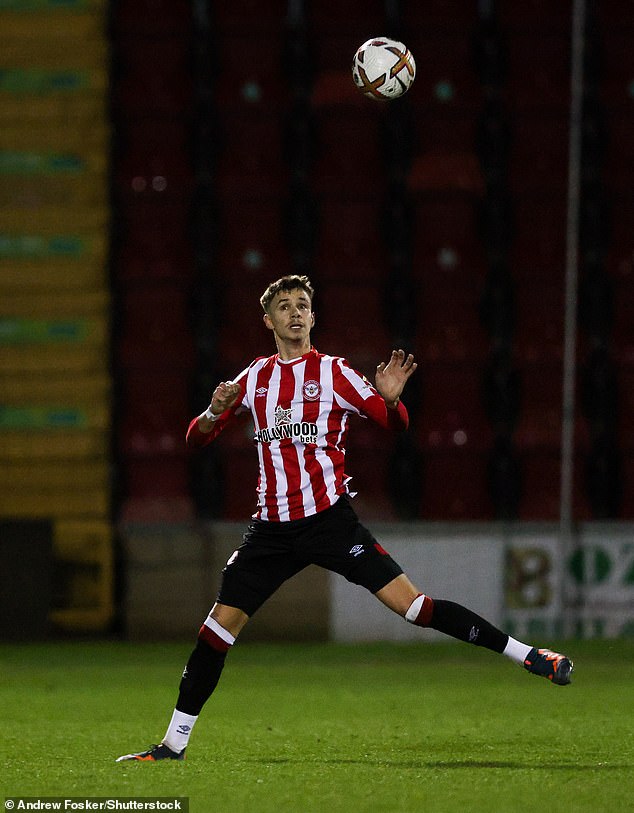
289 350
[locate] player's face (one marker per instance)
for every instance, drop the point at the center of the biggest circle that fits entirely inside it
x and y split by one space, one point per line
290 315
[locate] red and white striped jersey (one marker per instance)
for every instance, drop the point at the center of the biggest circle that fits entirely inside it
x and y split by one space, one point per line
300 411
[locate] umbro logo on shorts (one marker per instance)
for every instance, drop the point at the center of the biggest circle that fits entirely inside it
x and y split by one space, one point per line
356 550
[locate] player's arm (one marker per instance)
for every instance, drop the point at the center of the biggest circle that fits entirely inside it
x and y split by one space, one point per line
225 401
391 378
384 407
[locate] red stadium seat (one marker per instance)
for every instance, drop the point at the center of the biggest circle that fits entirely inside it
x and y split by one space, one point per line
539 153
539 424
538 249
154 163
539 70
242 16
153 242
156 331
439 15
242 335
153 428
250 72
252 243
449 321
345 16
350 241
151 17
251 164
540 500
157 490
453 131
348 163
452 415
538 16
445 219
240 478
446 238
152 76
454 486
350 323
445 75
539 335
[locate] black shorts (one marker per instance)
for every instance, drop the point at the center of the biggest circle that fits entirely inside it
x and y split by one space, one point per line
272 552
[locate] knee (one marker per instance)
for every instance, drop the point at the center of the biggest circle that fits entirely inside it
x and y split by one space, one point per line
230 619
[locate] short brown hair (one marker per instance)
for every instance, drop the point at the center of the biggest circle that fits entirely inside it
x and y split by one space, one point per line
288 283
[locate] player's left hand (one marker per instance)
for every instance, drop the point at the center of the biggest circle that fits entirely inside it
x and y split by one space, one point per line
392 376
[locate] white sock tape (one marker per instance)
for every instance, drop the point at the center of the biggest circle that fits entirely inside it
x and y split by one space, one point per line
414 609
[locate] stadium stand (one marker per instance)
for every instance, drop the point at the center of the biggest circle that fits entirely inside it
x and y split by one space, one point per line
55 387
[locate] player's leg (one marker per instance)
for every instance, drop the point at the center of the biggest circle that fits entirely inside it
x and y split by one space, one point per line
198 682
202 672
251 576
401 596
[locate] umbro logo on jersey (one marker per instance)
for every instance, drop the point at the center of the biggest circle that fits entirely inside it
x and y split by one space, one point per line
356 550
261 392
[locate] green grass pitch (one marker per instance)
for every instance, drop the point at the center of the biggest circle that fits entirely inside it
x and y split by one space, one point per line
379 728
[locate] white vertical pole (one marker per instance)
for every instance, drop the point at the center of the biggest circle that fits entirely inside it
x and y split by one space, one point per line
566 519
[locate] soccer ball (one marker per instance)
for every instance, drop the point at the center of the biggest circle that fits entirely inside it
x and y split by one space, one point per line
383 68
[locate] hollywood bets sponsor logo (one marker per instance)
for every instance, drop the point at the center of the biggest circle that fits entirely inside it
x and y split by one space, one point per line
301 431
304 432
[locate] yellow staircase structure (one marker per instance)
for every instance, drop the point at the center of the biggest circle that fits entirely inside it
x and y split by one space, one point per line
55 387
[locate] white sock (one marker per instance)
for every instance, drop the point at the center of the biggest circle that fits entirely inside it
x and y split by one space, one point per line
516 650
179 730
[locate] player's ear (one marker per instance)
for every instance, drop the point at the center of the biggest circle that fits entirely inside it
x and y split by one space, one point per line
312 318
267 321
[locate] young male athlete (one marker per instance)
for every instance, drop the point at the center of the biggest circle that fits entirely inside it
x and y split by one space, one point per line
301 401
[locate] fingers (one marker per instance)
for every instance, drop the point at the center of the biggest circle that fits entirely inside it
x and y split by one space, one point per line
399 357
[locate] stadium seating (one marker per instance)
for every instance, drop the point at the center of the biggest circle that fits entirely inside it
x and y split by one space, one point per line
541 476
350 322
251 163
445 76
543 84
350 241
144 18
450 328
534 15
55 389
451 415
539 153
454 486
348 142
152 76
539 335
251 243
249 73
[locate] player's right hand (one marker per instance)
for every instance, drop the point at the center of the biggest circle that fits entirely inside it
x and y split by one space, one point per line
224 397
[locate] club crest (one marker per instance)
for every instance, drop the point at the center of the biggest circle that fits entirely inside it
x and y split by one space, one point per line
312 390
